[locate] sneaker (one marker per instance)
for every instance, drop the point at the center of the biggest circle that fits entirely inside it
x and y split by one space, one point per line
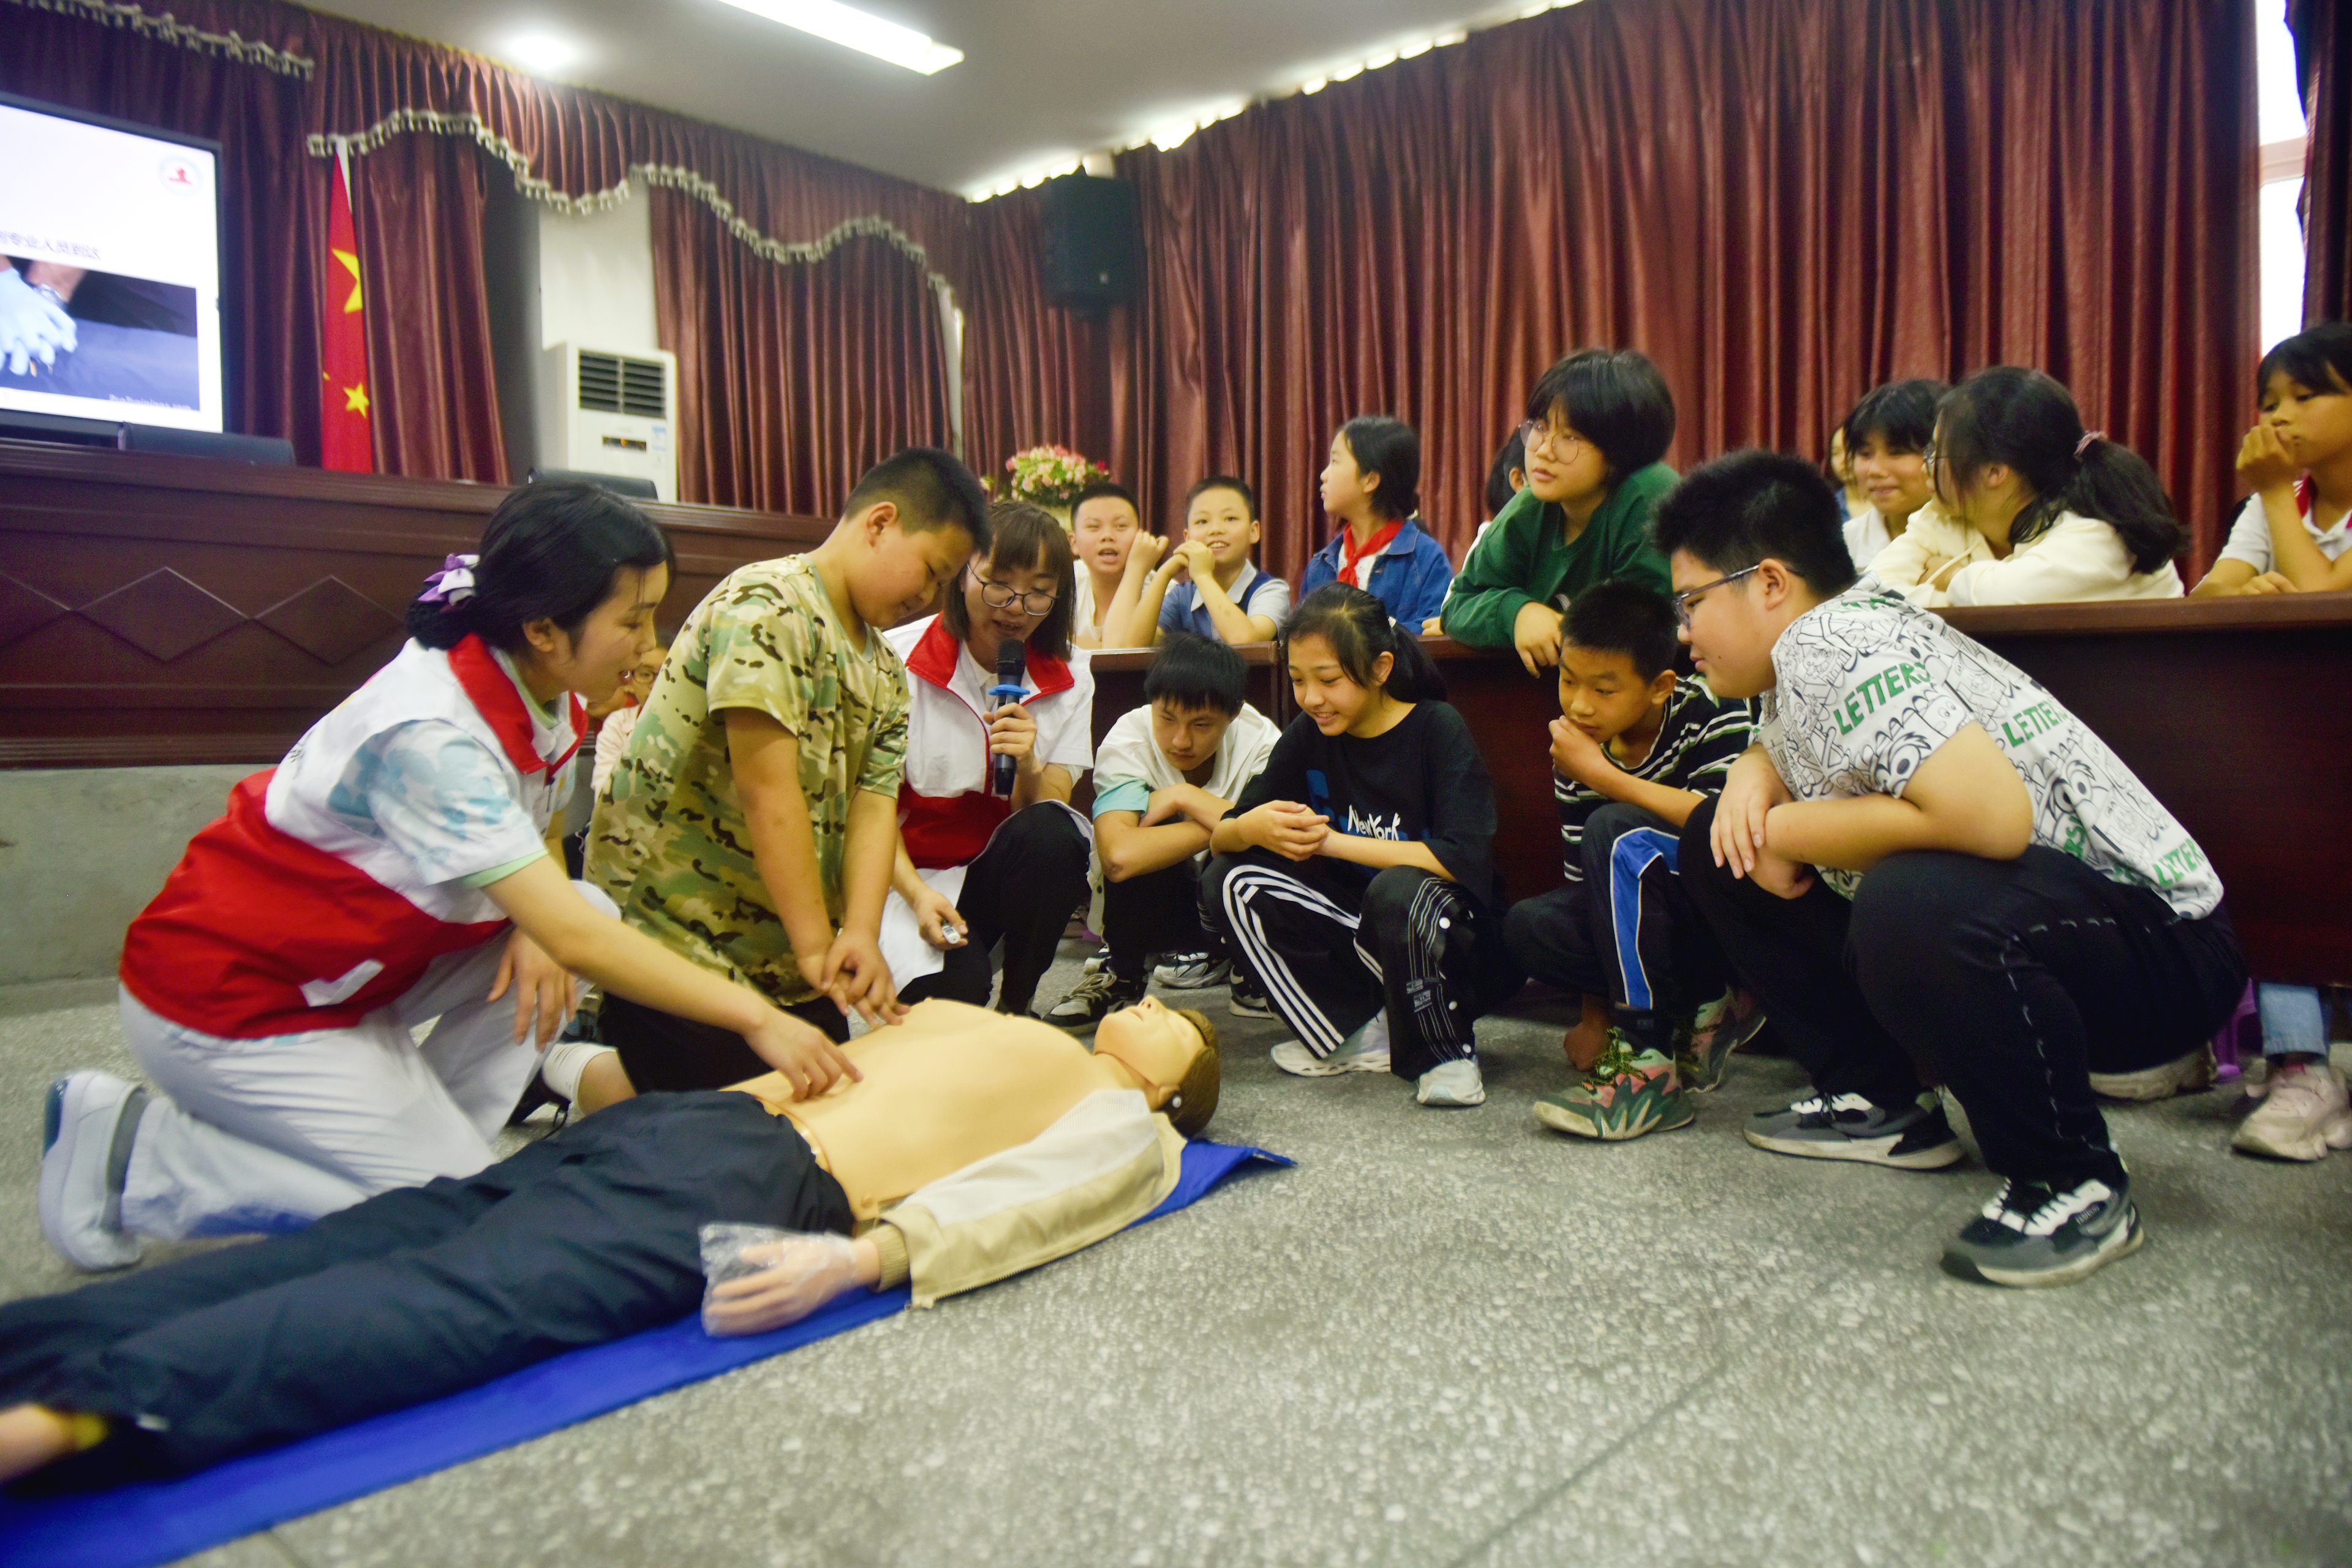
2032 1234
1719 1028
1100 961
87 1126
1192 971
2302 1118
1103 991
1451 1085
2182 1075
1626 1094
1248 998
1913 1137
1366 1051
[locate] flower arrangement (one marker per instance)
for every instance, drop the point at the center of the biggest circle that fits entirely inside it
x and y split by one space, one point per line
1051 476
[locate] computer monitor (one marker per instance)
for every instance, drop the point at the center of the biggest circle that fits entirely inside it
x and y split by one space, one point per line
109 269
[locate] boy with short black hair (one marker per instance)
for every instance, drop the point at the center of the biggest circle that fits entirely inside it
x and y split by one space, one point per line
1635 750
751 826
1164 776
1927 863
1223 595
1594 447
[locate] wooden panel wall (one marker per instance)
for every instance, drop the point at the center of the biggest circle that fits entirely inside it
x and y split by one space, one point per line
158 609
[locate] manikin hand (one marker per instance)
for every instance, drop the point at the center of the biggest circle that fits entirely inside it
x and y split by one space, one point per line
800 1273
1579 755
32 326
544 992
1536 635
1288 828
2263 462
941 925
1752 788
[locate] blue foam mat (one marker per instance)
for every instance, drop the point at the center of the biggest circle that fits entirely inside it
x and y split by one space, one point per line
138 1526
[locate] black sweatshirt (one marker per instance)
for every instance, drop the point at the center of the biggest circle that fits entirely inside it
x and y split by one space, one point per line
1423 780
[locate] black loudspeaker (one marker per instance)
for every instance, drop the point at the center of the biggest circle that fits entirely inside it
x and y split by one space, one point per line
628 485
1092 243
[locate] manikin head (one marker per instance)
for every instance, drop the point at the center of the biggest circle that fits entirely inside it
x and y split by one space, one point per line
1174 1052
1755 542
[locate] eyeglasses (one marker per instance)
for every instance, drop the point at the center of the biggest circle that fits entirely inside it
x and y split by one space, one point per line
1537 432
1689 596
997 596
1927 457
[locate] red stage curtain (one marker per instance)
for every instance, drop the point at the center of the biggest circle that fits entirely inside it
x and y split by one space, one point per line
1784 202
1033 376
793 381
2322 51
418 202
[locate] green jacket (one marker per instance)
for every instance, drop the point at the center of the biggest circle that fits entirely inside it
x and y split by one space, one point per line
1520 558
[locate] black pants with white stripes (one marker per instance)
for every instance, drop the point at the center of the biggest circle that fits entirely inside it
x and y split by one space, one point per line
1332 952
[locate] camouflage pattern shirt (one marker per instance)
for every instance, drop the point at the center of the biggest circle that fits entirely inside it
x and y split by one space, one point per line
669 842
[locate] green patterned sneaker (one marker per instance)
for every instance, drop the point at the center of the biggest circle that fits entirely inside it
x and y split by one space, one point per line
1703 1056
1624 1096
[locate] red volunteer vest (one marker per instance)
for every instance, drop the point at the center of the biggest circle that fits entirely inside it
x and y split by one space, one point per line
280 920
952 830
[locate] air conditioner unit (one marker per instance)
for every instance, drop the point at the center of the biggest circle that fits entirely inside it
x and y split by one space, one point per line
603 412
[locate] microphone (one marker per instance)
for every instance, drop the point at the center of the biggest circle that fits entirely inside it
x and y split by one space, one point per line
1012 685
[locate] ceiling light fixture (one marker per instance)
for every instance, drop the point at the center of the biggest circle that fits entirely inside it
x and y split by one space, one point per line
1314 84
853 28
541 54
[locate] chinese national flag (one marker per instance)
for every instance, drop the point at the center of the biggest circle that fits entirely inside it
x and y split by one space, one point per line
349 441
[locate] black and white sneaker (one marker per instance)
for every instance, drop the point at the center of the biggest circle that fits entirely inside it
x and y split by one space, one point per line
1913 1137
2032 1234
1096 961
1248 999
1102 993
1191 971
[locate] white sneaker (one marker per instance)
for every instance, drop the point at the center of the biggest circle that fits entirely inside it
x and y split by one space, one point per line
1366 1051
2182 1075
89 1121
2303 1116
1451 1084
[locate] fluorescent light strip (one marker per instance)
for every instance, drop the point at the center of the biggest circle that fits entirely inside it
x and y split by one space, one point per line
853 28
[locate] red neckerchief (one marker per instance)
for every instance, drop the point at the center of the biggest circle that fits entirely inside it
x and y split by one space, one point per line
1349 556
2304 496
500 705
935 653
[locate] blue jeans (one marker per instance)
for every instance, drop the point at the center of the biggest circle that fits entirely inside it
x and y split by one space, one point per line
2294 1021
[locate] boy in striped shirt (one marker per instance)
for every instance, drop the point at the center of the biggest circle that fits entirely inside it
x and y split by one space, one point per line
1635 750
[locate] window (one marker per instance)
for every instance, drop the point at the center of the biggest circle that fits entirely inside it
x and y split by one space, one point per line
2279 103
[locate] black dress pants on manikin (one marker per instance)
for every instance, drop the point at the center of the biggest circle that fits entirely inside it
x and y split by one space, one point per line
589 1236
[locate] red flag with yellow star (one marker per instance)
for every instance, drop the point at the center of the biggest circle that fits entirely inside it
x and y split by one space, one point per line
348 440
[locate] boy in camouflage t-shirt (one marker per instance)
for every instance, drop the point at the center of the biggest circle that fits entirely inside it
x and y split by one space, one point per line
751 824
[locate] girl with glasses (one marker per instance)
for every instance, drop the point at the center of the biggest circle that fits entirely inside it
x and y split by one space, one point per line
976 868
1599 424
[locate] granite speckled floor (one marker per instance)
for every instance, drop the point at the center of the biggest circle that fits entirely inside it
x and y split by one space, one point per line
1452 1337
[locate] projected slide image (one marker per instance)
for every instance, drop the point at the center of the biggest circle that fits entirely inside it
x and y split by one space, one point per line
72 331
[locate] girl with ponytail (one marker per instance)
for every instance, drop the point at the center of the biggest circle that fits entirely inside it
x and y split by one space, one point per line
1355 878
2066 514
391 871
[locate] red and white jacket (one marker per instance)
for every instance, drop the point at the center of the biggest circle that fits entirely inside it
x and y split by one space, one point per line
282 918
945 811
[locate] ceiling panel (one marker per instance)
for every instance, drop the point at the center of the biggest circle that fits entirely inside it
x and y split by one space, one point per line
1040 79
